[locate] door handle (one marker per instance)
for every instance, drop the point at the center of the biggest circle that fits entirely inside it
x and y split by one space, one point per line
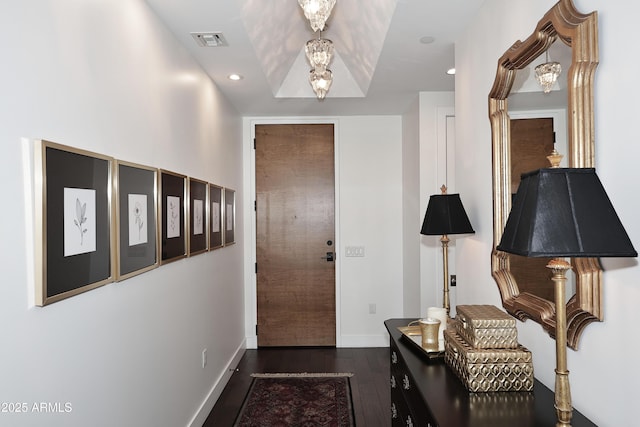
329 257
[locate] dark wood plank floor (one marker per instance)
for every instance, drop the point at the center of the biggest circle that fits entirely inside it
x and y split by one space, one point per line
369 385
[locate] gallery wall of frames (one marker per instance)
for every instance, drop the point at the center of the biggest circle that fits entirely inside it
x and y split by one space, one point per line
100 219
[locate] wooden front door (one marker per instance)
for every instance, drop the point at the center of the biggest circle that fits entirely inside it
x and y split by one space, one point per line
532 140
295 235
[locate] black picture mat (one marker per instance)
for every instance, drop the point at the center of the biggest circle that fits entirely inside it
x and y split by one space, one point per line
72 170
133 180
229 199
197 191
215 237
173 185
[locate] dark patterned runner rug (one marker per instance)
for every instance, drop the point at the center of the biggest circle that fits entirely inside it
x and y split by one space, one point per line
308 399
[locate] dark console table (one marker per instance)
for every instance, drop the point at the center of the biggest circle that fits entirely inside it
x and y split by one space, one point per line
425 392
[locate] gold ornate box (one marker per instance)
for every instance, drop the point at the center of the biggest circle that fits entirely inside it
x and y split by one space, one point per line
486 326
482 370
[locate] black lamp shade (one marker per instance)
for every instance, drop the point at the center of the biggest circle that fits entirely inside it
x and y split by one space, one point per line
445 215
564 212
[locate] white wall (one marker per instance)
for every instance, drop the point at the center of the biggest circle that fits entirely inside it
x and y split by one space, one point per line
107 77
370 216
604 375
413 209
368 213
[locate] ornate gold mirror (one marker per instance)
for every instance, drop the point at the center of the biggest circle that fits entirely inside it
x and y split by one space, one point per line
562 24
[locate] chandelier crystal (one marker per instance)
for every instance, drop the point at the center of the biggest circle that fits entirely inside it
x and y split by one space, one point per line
547 74
317 12
320 81
319 53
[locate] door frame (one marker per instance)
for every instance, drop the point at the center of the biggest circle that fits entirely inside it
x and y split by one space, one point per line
249 214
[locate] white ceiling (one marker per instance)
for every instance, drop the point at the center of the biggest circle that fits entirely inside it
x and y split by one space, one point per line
379 66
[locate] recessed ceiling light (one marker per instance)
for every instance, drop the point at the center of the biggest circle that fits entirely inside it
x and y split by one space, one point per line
451 71
427 40
235 77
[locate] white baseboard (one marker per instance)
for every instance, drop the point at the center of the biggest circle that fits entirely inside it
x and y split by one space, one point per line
205 409
252 341
356 341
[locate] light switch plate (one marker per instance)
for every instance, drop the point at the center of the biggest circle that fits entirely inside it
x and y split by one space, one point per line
354 251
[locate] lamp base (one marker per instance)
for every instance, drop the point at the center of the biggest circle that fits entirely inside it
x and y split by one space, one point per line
563 406
445 267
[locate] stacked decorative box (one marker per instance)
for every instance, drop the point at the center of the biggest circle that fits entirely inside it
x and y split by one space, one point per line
482 349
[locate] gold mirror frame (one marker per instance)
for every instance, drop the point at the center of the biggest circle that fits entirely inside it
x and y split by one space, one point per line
580 32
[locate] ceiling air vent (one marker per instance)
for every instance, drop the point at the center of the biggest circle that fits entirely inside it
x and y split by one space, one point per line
209 39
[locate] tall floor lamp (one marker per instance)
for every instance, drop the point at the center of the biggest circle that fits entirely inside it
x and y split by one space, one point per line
563 212
445 215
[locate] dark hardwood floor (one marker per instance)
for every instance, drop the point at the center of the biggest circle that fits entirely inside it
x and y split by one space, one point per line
369 385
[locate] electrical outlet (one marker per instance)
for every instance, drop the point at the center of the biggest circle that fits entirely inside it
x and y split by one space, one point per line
204 358
372 309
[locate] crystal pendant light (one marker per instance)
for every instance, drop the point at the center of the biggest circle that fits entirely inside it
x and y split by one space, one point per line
319 53
547 74
317 12
320 80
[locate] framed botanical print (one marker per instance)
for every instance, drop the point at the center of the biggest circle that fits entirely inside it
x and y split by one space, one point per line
74 230
135 189
173 214
229 216
198 216
216 217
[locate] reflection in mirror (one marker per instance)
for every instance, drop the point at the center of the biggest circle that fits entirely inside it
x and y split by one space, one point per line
538 126
519 110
